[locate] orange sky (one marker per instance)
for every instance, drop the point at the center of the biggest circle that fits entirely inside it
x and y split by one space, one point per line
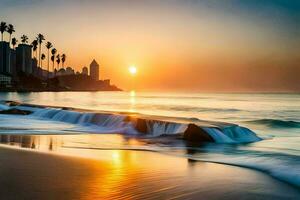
191 46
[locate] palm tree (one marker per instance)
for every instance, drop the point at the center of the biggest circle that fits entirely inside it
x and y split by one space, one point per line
3 28
40 38
34 44
53 59
63 59
14 42
48 46
53 52
58 61
24 39
10 30
43 56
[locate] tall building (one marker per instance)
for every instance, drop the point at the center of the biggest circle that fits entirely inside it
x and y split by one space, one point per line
94 70
4 58
24 61
13 63
85 71
5 80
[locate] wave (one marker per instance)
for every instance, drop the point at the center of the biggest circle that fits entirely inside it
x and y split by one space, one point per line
4 107
282 167
276 123
196 109
142 125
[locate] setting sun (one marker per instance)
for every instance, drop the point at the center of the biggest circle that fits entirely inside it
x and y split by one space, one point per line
132 70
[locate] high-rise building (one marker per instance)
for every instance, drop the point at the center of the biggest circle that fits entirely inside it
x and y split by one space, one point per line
4 58
5 80
94 70
13 63
24 61
85 71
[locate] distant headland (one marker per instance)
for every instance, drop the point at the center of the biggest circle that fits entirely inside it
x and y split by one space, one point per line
22 69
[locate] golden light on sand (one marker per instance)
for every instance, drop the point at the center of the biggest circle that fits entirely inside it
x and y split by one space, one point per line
132 70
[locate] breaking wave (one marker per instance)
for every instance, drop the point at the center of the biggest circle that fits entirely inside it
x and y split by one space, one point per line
276 123
144 125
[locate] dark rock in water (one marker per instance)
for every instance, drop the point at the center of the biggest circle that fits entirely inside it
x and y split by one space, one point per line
141 126
12 103
195 133
15 111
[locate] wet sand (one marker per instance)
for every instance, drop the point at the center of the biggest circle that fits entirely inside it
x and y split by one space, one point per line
125 174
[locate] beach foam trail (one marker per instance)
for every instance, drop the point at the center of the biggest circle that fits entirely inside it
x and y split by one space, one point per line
278 165
135 124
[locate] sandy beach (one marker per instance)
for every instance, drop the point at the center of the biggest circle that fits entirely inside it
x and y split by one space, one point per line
123 174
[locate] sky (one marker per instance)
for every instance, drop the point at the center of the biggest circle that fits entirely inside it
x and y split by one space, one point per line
176 45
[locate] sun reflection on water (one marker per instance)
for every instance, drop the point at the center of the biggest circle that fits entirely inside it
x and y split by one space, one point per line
132 101
107 172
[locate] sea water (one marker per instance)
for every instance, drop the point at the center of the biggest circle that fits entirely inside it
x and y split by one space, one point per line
275 118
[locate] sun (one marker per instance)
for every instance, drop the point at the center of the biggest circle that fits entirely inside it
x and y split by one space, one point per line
132 70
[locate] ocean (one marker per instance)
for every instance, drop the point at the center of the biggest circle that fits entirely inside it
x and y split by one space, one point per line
267 138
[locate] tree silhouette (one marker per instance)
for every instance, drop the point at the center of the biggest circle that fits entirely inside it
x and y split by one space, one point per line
14 42
34 44
63 59
40 38
10 30
3 28
58 61
48 46
24 39
43 56
53 52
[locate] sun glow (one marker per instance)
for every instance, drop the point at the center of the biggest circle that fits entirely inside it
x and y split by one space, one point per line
132 70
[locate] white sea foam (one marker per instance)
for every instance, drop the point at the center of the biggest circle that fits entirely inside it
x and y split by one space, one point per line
4 107
232 134
116 123
280 166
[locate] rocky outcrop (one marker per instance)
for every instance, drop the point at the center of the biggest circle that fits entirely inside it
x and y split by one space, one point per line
141 126
194 133
12 103
15 111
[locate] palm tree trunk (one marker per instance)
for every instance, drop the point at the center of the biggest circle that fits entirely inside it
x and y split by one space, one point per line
48 65
40 56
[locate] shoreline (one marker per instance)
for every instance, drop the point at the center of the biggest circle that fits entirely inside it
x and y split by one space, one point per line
130 174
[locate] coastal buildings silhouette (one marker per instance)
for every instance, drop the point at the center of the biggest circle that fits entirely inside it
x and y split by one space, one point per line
24 59
94 70
21 68
85 71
